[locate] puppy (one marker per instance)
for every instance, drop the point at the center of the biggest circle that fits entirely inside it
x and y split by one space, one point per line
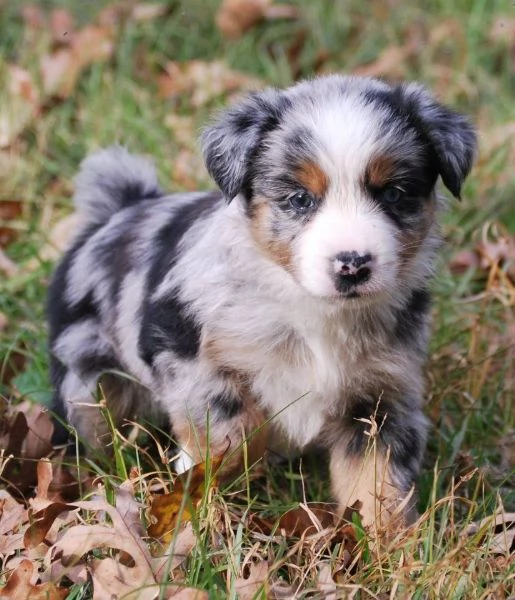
296 295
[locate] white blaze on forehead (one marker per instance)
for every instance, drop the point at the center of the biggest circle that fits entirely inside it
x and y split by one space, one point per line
347 135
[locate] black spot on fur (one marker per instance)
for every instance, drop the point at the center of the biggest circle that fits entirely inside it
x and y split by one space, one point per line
96 364
411 318
226 406
130 193
167 323
60 313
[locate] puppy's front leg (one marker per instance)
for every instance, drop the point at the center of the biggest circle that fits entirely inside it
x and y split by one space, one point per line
375 458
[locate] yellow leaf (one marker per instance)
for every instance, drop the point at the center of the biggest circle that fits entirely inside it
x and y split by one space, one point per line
168 510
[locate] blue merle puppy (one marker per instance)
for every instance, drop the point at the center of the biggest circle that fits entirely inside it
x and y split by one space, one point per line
297 293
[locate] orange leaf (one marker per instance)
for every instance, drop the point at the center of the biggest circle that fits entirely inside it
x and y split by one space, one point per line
188 491
19 586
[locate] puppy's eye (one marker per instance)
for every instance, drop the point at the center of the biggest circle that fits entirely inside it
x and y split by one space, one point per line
392 195
301 201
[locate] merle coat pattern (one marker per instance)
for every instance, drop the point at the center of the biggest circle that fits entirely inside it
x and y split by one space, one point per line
298 292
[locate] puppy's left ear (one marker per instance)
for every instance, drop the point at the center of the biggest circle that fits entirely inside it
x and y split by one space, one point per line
230 144
451 135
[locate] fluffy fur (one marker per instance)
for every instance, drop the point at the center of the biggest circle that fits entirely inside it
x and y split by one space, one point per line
297 293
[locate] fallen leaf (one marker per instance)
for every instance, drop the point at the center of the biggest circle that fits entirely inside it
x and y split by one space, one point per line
62 26
20 585
503 31
248 587
188 491
499 533
12 514
128 573
235 17
463 261
19 105
61 69
28 432
179 549
203 81
308 519
10 210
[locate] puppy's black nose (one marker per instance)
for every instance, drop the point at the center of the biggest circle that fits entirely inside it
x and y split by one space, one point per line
351 269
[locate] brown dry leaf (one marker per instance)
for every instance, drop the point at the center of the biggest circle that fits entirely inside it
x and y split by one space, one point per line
502 542
497 248
19 104
62 25
184 593
235 17
4 321
463 261
10 210
308 519
503 31
29 433
257 581
129 573
12 514
20 585
188 491
178 551
61 69
203 81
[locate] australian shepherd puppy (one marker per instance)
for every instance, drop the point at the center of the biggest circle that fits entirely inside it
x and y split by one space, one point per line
296 295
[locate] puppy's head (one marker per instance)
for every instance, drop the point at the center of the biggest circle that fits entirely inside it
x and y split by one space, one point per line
337 176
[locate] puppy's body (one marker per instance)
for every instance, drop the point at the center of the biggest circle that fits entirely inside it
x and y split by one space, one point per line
298 293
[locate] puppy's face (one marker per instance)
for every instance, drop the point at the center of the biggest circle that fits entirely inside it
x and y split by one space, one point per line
337 176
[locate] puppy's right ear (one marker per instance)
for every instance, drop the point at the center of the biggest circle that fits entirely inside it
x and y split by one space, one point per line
230 144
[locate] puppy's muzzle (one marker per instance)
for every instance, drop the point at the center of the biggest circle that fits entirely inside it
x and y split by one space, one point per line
351 270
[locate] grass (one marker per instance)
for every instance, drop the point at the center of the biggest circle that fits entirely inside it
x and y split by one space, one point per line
471 371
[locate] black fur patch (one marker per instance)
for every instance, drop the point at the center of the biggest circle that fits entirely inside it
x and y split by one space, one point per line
167 323
411 318
225 406
60 313
130 193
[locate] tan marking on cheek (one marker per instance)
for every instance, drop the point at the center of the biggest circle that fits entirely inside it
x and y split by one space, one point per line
275 248
367 479
380 171
313 178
